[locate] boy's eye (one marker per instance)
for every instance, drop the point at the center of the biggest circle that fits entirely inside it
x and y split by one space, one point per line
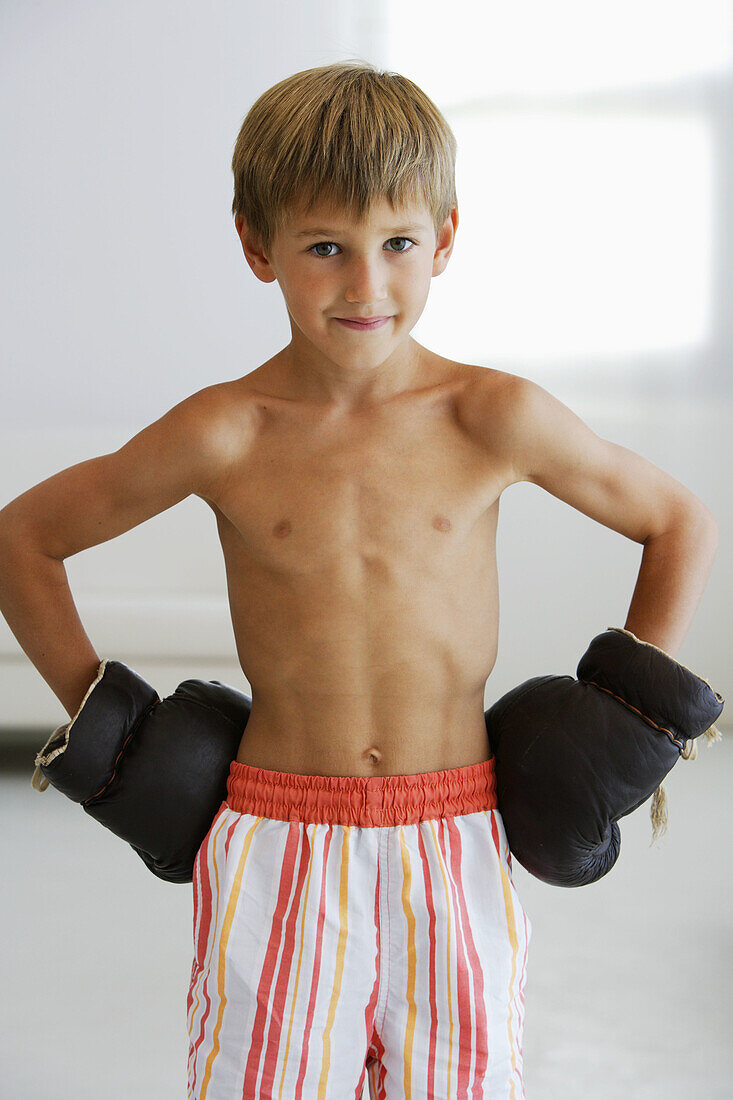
322 244
405 240
328 244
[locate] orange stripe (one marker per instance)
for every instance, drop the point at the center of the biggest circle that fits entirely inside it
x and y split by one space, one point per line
411 966
223 940
201 981
430 905
476 997
300 957
340 953
316 967
295 852
261 1047
511 925
440 850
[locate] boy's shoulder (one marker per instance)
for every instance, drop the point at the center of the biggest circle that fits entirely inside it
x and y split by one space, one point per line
222 411
218 424
535 437
491 404
530 432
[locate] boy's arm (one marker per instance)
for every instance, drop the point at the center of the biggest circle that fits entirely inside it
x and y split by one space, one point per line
548 445
186 451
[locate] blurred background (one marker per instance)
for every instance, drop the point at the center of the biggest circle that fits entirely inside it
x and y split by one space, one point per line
594 255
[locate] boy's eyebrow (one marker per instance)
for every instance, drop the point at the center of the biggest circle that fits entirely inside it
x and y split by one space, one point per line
319 232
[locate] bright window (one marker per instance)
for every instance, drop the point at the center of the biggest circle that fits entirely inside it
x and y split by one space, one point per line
586 175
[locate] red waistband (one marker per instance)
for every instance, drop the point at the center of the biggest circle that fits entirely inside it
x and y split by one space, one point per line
361 800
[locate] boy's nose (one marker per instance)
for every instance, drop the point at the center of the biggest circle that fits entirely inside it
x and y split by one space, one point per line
365 282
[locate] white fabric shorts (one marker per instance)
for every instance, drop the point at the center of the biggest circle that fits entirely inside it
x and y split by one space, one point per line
352 930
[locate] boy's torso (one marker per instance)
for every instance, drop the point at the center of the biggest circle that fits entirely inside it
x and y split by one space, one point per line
360 556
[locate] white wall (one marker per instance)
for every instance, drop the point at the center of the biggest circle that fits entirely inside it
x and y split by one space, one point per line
127 290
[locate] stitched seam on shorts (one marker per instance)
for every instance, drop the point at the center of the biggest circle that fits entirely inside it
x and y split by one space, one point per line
662 729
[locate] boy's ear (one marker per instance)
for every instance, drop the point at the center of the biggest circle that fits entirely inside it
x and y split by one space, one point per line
253 253
445 241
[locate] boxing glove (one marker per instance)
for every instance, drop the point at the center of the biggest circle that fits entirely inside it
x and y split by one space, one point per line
153 771
573 756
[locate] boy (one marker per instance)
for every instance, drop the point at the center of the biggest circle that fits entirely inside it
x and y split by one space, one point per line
354 911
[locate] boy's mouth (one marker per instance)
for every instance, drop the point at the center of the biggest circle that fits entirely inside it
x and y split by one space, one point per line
367 323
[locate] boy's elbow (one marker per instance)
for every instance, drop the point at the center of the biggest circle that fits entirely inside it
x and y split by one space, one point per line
700 519
7 521
691 512
689 517
707 519
713 535
14 526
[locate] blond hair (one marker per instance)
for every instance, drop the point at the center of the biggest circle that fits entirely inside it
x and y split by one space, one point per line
346 134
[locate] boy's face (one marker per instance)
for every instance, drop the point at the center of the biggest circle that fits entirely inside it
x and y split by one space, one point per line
330 266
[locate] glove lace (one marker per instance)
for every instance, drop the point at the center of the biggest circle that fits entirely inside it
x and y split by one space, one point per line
659 811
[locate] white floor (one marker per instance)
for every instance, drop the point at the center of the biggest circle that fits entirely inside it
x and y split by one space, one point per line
628 991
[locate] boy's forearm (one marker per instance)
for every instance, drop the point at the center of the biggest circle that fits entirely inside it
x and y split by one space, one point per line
36 602
675 567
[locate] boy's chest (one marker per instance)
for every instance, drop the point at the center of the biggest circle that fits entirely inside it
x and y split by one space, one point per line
385 487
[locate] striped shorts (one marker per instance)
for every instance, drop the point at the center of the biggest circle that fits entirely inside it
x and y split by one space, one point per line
352 931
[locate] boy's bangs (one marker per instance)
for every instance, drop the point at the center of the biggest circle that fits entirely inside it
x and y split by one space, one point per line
345 135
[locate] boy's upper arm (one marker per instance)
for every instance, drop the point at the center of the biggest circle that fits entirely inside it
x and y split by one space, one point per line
187 450
548 445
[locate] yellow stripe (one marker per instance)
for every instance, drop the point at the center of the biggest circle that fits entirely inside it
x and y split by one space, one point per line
511 925
411 967
448 963
212 932
300 960
223 940
340 953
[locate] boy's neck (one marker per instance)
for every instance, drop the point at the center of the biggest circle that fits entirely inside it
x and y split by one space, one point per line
312 378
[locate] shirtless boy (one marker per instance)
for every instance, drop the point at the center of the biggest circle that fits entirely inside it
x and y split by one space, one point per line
355 478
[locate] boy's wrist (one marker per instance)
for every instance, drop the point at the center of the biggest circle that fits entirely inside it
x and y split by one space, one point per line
73 699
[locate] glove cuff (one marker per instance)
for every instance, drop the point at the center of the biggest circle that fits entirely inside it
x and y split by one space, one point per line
59 739
666 694
112 707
